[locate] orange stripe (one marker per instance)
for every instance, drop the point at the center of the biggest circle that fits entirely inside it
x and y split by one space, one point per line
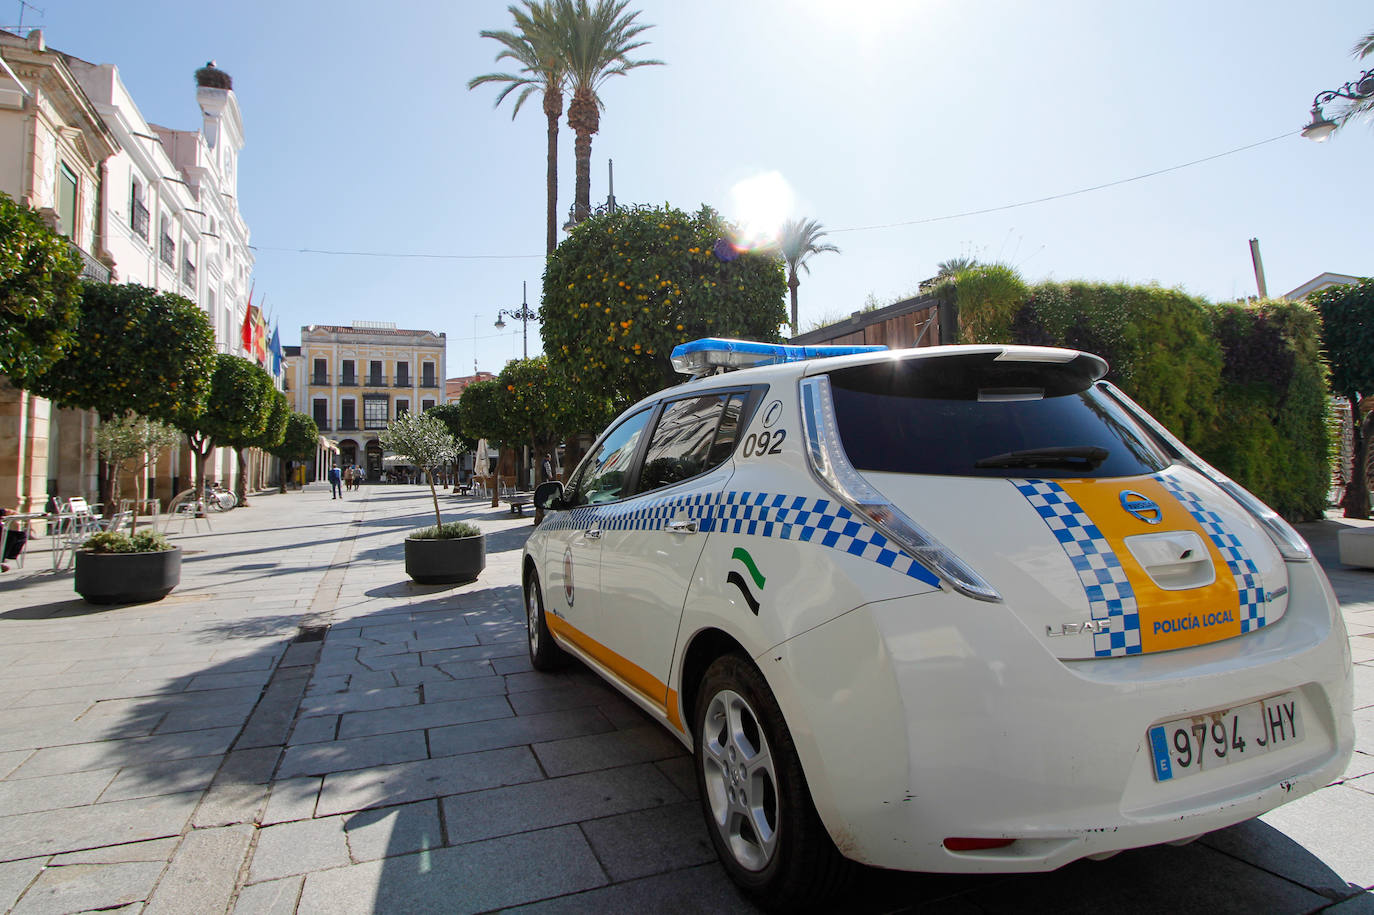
638 679
674 716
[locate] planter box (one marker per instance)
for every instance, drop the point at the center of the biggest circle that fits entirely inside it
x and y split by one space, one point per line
127 578
442 562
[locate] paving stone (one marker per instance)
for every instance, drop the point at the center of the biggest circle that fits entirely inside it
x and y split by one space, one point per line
384 786
681 771
431 714
130 751
515 664
313 730
199 719
420 675
272 718
702 890
651 841
371 679
473 878
448 689
83 887
386 831
15 877
475 653
463 670
203 872
602 751
228 804
116 823
271 897
171 777
553 802
355 753
517 731
292 799
152 850
298 848
552 700
223 681
25 795
1322 823
360 700
13 759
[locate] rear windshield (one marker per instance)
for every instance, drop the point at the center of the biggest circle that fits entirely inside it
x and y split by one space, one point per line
970 415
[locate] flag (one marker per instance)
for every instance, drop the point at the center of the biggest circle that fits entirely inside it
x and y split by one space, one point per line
259 337
275 348
247 336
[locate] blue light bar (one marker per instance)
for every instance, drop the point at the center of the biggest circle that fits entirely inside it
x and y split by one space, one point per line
702 357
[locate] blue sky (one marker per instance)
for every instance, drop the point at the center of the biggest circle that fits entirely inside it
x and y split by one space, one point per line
363 137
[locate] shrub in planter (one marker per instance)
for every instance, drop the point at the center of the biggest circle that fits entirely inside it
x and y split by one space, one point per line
446 553
113 567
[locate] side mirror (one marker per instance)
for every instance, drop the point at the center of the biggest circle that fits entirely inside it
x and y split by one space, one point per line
549 495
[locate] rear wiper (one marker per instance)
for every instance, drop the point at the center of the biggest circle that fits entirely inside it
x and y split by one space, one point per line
1073 456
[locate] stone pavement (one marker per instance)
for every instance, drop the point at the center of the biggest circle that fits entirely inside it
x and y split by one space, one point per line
298 728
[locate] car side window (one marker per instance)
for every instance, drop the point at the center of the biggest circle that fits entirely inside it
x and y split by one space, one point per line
603 475
692 436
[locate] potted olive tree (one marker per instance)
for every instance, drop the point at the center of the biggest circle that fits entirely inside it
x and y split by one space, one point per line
444 553
118 567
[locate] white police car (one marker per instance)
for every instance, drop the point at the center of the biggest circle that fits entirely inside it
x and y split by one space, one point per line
960 609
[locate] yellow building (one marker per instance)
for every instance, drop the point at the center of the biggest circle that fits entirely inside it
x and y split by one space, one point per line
354 380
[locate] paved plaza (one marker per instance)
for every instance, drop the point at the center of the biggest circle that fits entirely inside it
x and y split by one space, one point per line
299 728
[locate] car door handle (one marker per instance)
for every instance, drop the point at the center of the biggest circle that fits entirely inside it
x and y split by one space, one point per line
681 527
593 534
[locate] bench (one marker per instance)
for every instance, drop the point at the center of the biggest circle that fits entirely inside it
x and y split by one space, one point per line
517 504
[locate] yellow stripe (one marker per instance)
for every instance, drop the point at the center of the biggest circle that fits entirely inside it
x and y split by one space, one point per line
1101 501
638 679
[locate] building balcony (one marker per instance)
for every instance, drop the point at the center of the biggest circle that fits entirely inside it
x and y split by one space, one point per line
376 381
323 424
348 381
322 380
348 425
188 273
92 270
167 251
404 381
429 383
138 220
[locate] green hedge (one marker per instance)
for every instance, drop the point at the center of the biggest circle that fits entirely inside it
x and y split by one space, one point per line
1243 384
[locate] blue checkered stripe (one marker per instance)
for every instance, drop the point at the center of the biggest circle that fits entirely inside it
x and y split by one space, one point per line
1243 569
778 516
1109 591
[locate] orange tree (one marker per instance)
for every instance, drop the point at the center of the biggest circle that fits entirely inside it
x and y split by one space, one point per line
626 287
235 413
299 440
481 415
542 407
39 291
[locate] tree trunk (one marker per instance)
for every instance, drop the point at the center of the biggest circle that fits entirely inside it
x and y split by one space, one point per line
1356 501
582 187
282 467
792 284
553 114
241 484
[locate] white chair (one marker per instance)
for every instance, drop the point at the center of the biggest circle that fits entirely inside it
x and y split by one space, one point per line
185 507
71 526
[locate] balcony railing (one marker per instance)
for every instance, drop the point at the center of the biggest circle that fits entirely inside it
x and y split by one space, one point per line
319 379
323 424
376 381
167 250
188 273
348 425
428 382
138 220
92 270
348 380
403 381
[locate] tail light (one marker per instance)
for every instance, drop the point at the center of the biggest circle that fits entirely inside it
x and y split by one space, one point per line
831 466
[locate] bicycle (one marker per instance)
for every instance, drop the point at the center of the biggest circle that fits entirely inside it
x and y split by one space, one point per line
218 498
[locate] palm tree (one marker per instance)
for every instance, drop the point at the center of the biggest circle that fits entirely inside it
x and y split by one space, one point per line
950 268
798 240
593 43
541 70
1362 49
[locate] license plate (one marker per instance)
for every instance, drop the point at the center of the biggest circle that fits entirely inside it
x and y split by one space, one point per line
1205 742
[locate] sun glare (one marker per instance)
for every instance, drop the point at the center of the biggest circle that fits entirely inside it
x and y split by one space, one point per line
759 205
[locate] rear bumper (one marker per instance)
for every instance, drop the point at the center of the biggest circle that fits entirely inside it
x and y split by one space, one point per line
935 716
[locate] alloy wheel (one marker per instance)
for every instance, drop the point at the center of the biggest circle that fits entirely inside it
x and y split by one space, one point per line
741 783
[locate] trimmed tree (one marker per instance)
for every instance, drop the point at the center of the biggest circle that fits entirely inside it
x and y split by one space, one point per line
278 409
481 413
448 414
299 441
133 443
40 291
424 441
235 411
1348 335
626 287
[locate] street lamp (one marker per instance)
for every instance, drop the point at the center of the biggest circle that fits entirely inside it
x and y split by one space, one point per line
601 208
524 314
1356 90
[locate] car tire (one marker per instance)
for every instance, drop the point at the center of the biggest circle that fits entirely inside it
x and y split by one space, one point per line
754 795
544 653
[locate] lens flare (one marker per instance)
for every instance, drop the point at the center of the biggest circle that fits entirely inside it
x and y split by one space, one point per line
759 205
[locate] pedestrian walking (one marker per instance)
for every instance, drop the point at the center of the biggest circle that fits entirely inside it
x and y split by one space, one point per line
548 468
335 479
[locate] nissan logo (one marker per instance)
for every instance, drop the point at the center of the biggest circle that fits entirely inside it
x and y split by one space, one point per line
1144 509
